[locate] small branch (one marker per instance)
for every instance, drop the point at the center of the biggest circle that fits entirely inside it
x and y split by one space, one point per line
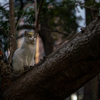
6 4
55 31
20 36
91 8
20 18
26 27
32 27
88 7
36 10
66 39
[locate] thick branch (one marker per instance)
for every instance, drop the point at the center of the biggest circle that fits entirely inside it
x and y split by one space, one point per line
64 71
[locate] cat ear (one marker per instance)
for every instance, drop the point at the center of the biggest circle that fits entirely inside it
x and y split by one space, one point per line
26 33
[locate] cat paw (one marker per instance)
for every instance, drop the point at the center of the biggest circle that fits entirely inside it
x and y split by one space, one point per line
26 67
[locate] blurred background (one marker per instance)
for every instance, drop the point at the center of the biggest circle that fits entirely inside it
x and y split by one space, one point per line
59 21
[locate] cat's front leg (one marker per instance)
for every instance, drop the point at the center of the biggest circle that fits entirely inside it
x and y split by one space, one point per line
26 66
32 63
25 61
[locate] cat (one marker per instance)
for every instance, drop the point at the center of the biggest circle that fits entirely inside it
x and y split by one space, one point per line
24 56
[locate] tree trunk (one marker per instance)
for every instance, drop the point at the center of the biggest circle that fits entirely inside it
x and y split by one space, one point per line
13 44
91 88
64 71
47 40
46 36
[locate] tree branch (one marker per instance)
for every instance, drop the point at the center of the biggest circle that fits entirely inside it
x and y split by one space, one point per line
64 71
88 7
55 31
26 27
38 17
32 27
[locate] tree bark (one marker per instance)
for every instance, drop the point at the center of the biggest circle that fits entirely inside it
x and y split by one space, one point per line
44 34
91 88
12 29
64 71
47 40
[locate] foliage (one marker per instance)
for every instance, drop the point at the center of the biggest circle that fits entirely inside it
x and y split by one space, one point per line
93 3
57 15
4 18
4 27
4 22
60 14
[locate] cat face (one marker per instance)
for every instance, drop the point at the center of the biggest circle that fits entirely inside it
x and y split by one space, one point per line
30 38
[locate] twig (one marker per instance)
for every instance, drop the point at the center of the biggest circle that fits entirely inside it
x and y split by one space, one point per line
5 4
26 26
20 36
32 27
36 10
89 7
66 39
20 18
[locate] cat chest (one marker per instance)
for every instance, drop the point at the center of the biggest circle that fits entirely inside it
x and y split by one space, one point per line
28 51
